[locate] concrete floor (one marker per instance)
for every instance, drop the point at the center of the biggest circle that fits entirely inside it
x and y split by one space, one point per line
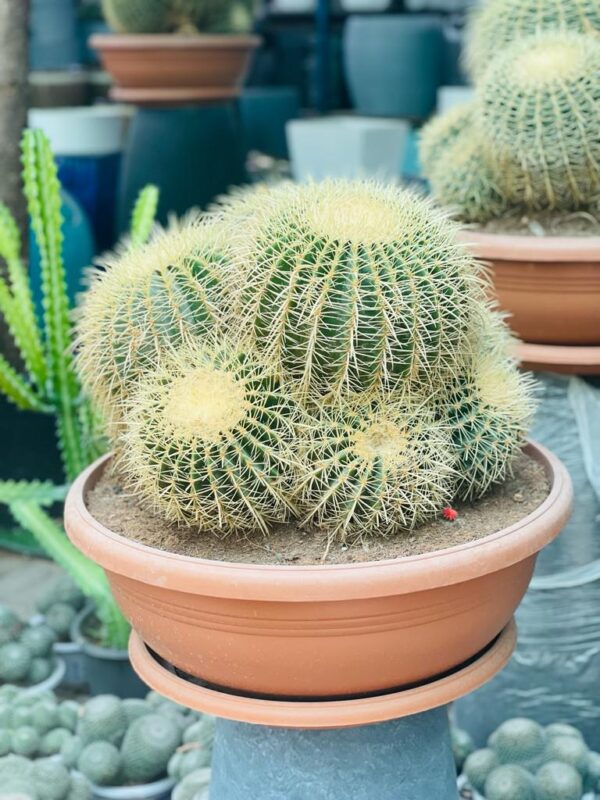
22 579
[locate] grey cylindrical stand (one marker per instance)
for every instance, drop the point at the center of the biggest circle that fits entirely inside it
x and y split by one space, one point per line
406 759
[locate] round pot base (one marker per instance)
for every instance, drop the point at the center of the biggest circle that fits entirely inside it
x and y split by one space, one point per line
564 360
324 714
172 96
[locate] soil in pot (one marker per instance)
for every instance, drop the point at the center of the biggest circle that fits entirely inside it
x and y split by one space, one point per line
504 505
577 224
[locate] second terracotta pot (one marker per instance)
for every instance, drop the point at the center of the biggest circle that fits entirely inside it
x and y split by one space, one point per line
165 69
550 285
327 630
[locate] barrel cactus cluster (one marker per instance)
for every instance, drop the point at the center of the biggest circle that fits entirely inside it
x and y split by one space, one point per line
528 141
319 353
525 761
182 16
43 779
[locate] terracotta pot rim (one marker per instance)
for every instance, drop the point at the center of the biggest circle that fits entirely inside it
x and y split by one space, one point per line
173 41
525 247
324 582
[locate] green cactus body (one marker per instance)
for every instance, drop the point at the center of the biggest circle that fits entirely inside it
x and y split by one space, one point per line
70 751
201 732
103 719
353 286
25 742
378 467
63 590
466 180
509 783
101 763
192 785
568 750
496 24
60 617
540 114
558 781
5 741
44 716
134 709
148 746
53 741
80 788
137 16
148 302
68 715
487 409
207 440
441 132
15 662
38 640
51 779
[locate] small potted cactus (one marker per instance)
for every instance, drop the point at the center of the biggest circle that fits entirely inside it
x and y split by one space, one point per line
26 654
310 399
172 52
521 164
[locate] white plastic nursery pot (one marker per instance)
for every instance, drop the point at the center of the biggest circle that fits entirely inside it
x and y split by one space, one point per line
84 130
158 790
347 147
449 97
322 630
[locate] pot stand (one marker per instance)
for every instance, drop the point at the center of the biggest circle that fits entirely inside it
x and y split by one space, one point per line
176 148
389 746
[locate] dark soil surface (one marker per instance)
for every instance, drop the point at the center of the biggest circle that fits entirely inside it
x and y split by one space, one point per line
288 544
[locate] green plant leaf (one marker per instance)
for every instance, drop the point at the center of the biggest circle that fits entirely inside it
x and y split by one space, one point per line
144 215
88 576
45 493
25 328
42 190
16 389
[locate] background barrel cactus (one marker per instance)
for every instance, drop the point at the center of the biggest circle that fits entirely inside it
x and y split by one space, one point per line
528 142
339 366
184 16
496 24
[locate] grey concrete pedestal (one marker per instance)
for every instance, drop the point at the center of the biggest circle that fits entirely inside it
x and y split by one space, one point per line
406 759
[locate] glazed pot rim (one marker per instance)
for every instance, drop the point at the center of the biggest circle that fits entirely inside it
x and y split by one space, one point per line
526 247
173 41
320 582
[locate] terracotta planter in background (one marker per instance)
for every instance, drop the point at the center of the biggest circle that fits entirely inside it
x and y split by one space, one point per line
327 630
550 285
173 69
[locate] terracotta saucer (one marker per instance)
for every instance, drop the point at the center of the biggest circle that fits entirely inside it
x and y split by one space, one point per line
172 96
565 360
327 713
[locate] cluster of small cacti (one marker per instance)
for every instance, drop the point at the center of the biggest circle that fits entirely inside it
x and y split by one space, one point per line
525 761
44 779
194 786
319 352
35 725
59 604
529 140
26 657
134 742
183 16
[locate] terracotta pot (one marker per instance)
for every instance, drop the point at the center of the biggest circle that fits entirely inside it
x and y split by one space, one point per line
550 285
175 69
326 630
553 358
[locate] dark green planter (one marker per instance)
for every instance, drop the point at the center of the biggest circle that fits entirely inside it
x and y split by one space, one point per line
265 113
394 64
193 154
106 671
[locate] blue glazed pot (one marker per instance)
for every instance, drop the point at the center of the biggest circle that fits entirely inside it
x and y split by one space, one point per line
394 64
53 39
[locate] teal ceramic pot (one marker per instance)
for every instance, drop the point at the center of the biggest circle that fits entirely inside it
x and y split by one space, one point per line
394 64
264 113
193 154
53 40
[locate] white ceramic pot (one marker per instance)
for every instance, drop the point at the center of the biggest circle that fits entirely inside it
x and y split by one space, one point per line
83 131
293 6
370 6
347 147
450 96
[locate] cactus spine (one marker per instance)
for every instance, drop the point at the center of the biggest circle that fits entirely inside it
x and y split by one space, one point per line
385 465
146 303
465 179
496 24
353 287
487 410
540 113
207 440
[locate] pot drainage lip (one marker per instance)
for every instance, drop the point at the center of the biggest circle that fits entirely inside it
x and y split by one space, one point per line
564 359
322 712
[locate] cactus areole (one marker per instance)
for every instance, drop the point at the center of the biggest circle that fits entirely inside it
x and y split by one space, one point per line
311 357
